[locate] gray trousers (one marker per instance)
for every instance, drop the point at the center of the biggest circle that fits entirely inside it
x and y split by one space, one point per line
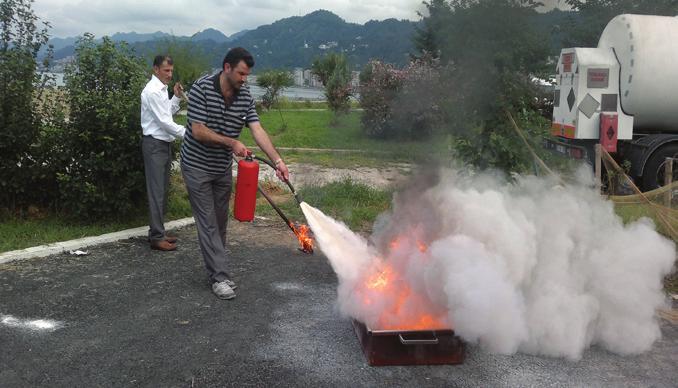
209 195
157 165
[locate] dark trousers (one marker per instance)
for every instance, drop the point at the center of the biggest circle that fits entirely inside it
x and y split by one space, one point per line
157 165
209 195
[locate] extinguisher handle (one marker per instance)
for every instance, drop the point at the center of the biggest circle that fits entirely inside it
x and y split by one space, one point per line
287 181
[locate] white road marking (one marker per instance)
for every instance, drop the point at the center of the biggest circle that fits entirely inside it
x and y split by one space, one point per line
30 324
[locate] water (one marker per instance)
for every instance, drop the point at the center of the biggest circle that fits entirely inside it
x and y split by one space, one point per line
292 93
58 78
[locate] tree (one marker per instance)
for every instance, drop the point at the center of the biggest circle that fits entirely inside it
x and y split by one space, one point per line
380 84
426 40
190 61
21 36
593 15
103 168
274 82
489 50
334 72
400 102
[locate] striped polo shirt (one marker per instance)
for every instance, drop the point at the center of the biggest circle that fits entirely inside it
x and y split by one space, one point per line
206 105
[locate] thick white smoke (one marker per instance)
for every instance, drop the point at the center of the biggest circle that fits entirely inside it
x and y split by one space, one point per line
529 266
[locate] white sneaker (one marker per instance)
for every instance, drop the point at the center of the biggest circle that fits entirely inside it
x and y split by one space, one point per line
231 284
222 290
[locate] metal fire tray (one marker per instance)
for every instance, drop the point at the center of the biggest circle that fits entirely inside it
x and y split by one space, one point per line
409 347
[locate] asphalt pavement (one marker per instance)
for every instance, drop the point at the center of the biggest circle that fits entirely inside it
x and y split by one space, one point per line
128 316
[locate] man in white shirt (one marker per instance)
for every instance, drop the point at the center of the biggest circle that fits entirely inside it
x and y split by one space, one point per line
159 131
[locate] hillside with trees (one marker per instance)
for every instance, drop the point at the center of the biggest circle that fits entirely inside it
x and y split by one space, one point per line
290 42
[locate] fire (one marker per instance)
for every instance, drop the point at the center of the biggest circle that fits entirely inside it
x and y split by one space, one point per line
398 241
395 243
401 306
379 281
304 237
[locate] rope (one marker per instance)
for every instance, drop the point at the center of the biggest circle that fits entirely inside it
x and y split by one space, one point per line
658 210
529 147
663 214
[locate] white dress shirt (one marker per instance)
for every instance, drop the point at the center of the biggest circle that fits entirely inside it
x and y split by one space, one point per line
157 110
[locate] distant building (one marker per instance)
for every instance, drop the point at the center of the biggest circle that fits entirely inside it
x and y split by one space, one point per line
328 45
355 79
298 75
310 80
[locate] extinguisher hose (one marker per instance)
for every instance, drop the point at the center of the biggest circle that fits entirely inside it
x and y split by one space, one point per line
277 209
287 181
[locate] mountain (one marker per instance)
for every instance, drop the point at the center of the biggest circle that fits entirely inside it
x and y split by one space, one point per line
133 37
238 34
291 42
59 43
210 34
64 47
296 41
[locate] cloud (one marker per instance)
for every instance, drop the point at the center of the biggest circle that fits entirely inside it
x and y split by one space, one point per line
185 17
551 4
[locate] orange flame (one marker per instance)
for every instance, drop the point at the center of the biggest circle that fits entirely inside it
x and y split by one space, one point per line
380 280
423 322
402 307
395 243
304 237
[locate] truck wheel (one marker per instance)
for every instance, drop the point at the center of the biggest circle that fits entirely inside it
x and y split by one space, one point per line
653 174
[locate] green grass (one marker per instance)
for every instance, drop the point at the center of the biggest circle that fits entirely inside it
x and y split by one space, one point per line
20 234
355 204
345 160
310 129
632 212
285 103
314 129
28 232
671 283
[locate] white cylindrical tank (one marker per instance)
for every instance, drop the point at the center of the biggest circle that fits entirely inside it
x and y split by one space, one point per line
647 50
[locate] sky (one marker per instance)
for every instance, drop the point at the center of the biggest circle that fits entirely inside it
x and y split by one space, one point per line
186 17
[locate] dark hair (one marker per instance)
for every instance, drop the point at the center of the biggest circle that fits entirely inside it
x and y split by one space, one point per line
235 55
160 59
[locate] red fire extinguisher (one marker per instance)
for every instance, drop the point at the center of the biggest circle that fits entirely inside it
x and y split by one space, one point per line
246 189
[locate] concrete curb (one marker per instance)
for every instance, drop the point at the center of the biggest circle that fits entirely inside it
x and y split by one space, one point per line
65 246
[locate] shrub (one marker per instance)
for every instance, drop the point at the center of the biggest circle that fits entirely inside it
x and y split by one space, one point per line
334 73
491 50
103 167
20 40
400 103
380 83
274 82
190 61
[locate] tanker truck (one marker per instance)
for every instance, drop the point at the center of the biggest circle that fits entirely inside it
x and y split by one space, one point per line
623 95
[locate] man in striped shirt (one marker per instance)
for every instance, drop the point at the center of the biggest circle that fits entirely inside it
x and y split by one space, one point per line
218 108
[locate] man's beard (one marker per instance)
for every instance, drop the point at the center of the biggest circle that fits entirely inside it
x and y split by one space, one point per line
234 84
